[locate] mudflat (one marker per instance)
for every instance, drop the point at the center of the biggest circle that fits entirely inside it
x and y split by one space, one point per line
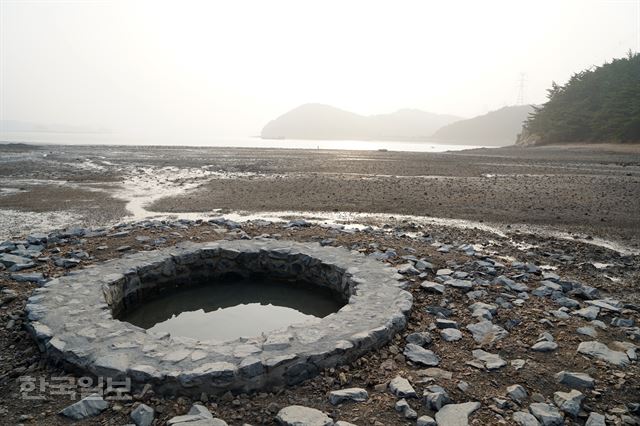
581 189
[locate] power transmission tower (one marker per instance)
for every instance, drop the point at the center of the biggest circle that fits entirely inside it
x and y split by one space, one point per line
521 81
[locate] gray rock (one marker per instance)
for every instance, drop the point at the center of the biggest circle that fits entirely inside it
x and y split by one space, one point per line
546 414
587 331
198 415
490 361
445 323
451 334
297 415
510 284
432 287
90 406
402 406
590 312
444 271
436 397
420 338
517 393
426 421
10 260
622 322
460 284
545 346
408 269
601 351
485 332
595 419
143 415
456 414
401 388
575 380
351 394
35 277
525 419
606 304
569 402
420 355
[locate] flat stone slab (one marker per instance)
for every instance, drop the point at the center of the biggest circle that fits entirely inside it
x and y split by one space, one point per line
456 414
601 351
351 394
73 318
297 415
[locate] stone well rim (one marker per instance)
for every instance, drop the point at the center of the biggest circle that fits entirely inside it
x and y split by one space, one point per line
72 322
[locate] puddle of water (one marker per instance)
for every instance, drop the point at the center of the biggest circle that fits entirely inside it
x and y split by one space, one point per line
231 309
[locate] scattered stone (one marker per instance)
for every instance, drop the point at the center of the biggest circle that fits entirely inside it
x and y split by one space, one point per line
420 338
575 380
490 361
622 322
143 415
590 312
569 402
420 355
445 323
510 284
595 419
432 287
606 304
451 334
351 394
547 414
486 332
545 346
297 415
456 414
436 397
35 277
426 421
90 406
517 393
460 284
587 331
402 406
518 363
401 388
525 419
601 351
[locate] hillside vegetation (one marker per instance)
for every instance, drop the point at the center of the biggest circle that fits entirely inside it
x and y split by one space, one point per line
601 104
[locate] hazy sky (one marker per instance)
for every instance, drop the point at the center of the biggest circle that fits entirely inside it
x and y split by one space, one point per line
194 70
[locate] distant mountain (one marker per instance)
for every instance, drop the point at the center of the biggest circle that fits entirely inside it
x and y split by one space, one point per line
317 121
600 104
496 128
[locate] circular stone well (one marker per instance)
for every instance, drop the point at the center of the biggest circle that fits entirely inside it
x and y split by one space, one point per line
72 318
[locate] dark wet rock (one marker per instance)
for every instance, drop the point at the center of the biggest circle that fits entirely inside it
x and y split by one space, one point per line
401 388
297 415
445 323
439 311
456 414
420 355
87 407
420 338
351 394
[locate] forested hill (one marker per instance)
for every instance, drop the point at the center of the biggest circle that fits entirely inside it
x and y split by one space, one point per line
601 104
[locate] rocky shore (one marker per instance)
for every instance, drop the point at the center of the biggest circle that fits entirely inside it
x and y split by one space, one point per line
501 331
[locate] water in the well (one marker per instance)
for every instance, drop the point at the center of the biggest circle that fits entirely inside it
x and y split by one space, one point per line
230 309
